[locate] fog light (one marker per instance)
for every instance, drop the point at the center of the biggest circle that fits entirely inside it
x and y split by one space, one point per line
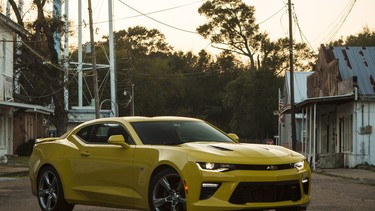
208 189
210 185
305 185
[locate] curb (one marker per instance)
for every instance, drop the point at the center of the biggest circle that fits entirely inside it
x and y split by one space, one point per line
14 170
15 174
366 181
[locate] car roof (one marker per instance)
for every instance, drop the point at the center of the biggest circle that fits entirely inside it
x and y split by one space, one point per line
143 119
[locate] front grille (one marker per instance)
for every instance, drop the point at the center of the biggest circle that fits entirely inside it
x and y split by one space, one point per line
264 167
266 192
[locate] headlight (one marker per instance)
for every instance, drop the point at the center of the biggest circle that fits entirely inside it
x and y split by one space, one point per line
299 165
215 167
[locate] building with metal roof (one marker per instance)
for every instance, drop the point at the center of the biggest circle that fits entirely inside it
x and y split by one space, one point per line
300 94
339 111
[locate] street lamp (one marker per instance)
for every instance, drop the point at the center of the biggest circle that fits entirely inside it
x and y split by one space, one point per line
109 100
131 99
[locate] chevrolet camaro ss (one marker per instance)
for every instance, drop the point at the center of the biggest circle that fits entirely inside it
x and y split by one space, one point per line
165 163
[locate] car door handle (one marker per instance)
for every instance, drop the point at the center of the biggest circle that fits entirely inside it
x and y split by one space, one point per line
85 153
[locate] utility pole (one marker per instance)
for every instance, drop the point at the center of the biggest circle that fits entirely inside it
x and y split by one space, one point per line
112 70
95 72
79 68
292 112
66 56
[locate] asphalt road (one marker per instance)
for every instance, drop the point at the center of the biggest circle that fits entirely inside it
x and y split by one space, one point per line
335 193
328 193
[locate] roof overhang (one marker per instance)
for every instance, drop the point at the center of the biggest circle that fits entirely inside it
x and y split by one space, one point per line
28 107
338 99
13 25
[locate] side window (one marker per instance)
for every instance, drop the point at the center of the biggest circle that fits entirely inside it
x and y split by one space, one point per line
117 129
84 133
100 133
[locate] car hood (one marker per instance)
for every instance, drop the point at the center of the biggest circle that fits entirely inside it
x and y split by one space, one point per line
242 153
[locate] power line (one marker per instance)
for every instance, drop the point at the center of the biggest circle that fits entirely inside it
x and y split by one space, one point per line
300 30
165 24
154 12
41 57
336 24
282 8
342 20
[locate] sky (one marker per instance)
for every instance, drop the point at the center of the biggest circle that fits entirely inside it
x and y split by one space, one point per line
319 21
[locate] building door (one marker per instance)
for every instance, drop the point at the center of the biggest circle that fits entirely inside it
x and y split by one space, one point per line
2 132
341 134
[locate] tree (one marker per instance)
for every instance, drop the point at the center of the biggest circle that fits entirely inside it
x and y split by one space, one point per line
43 77
231 25
168 82
140 53
252 98
204 82
363 39
276 55
139 40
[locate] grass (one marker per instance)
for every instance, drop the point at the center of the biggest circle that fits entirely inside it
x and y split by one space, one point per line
22 159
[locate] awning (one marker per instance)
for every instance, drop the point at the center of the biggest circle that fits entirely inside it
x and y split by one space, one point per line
28 107
337 99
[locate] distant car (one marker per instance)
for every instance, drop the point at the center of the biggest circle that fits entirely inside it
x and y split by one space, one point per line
165 163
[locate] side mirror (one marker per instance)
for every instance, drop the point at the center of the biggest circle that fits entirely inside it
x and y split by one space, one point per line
118 140
234 137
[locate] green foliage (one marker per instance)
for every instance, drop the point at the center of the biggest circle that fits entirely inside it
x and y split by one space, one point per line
276 55
26 148
41 76
252 98
167 82
139 40
184 85
365 38
231 26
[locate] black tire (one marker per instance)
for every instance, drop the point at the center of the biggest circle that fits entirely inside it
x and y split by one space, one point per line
167 192
50 192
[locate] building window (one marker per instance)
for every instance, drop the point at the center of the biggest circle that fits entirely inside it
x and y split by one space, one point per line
2 133
348 134
3 55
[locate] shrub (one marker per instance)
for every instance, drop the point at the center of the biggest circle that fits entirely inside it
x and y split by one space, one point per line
25 149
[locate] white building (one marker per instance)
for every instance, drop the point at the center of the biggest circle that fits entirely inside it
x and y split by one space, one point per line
29 113
340 108
300 94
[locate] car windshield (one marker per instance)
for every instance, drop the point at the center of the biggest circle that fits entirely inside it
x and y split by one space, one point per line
177 132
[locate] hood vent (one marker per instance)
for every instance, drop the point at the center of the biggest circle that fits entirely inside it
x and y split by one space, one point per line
221 148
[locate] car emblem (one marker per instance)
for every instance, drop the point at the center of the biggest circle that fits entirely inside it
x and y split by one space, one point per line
272 167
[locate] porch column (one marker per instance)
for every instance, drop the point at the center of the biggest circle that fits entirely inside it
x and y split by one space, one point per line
314 128
310 135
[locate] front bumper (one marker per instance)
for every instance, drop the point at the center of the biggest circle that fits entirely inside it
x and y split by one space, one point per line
242 189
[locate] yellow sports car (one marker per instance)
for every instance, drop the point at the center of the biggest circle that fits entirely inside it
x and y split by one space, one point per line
165 163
